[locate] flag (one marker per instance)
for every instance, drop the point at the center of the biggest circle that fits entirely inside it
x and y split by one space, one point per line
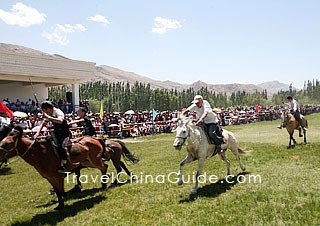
154 114
3 108
101 111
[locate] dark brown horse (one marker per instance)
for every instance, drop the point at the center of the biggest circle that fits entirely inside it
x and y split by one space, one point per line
87 151
115 149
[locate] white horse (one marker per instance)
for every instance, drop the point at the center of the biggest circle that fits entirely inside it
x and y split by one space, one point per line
199 148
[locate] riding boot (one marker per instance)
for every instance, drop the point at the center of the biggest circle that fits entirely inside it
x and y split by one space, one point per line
6 163
219 149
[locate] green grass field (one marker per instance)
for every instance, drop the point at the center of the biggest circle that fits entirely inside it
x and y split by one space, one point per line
289 192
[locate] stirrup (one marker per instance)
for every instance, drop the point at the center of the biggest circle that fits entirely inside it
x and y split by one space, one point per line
61 170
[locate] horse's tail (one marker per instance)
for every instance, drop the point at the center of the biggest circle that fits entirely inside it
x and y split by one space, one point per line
244 152
126 153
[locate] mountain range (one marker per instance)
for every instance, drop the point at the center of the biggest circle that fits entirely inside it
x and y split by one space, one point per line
111 74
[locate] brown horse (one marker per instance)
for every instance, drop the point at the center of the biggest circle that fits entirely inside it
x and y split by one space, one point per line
291 124
114 150
41 155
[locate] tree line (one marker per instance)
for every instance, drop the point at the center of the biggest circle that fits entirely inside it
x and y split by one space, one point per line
121 96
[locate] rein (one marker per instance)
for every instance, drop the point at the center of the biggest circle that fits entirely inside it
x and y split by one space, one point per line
6 151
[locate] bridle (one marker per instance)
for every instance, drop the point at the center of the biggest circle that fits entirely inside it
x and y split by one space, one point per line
7 151
184 138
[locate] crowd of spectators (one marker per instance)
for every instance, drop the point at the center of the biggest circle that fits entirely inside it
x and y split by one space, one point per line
122 125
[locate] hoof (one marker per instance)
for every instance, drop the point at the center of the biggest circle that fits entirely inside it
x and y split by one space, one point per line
76 189
59 208
52 191
180 182
193 191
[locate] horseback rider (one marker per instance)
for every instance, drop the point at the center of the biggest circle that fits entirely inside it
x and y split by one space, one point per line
294 108
205 114
61 132
85 122
5 125
4 119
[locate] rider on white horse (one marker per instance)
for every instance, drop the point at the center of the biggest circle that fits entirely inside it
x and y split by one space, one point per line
205 114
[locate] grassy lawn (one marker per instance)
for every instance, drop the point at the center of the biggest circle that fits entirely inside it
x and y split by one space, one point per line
287 193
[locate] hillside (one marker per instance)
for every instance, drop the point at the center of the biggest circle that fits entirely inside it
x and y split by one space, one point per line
111 74
107 73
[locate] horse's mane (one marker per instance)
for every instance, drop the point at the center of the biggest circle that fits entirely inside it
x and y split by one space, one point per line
189 121
17 129
186 119
4 131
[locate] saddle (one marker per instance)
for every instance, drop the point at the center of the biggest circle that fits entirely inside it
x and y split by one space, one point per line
54 143
218 133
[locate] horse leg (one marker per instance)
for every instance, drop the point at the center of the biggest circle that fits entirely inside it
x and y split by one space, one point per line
235 151
226 160
304 136
123 166
194 190
187 159
300 134
78 186
103 170
291 139
294 140
58 185
116 163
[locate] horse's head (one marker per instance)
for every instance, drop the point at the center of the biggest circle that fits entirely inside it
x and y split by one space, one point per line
182 132
9 143
285 117
4 131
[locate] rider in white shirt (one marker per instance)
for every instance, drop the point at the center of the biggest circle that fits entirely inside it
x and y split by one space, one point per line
294 108
4 119
205 114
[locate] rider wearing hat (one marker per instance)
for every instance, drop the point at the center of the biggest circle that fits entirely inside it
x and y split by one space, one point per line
207 116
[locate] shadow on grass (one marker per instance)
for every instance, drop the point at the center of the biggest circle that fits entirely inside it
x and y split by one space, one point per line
71 196
215 189
53 218
5 171
120 184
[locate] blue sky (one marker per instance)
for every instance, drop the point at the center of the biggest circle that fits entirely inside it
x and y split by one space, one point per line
218 42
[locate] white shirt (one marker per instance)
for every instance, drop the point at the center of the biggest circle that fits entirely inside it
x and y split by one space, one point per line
294 105
4 121
211 116
57 113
